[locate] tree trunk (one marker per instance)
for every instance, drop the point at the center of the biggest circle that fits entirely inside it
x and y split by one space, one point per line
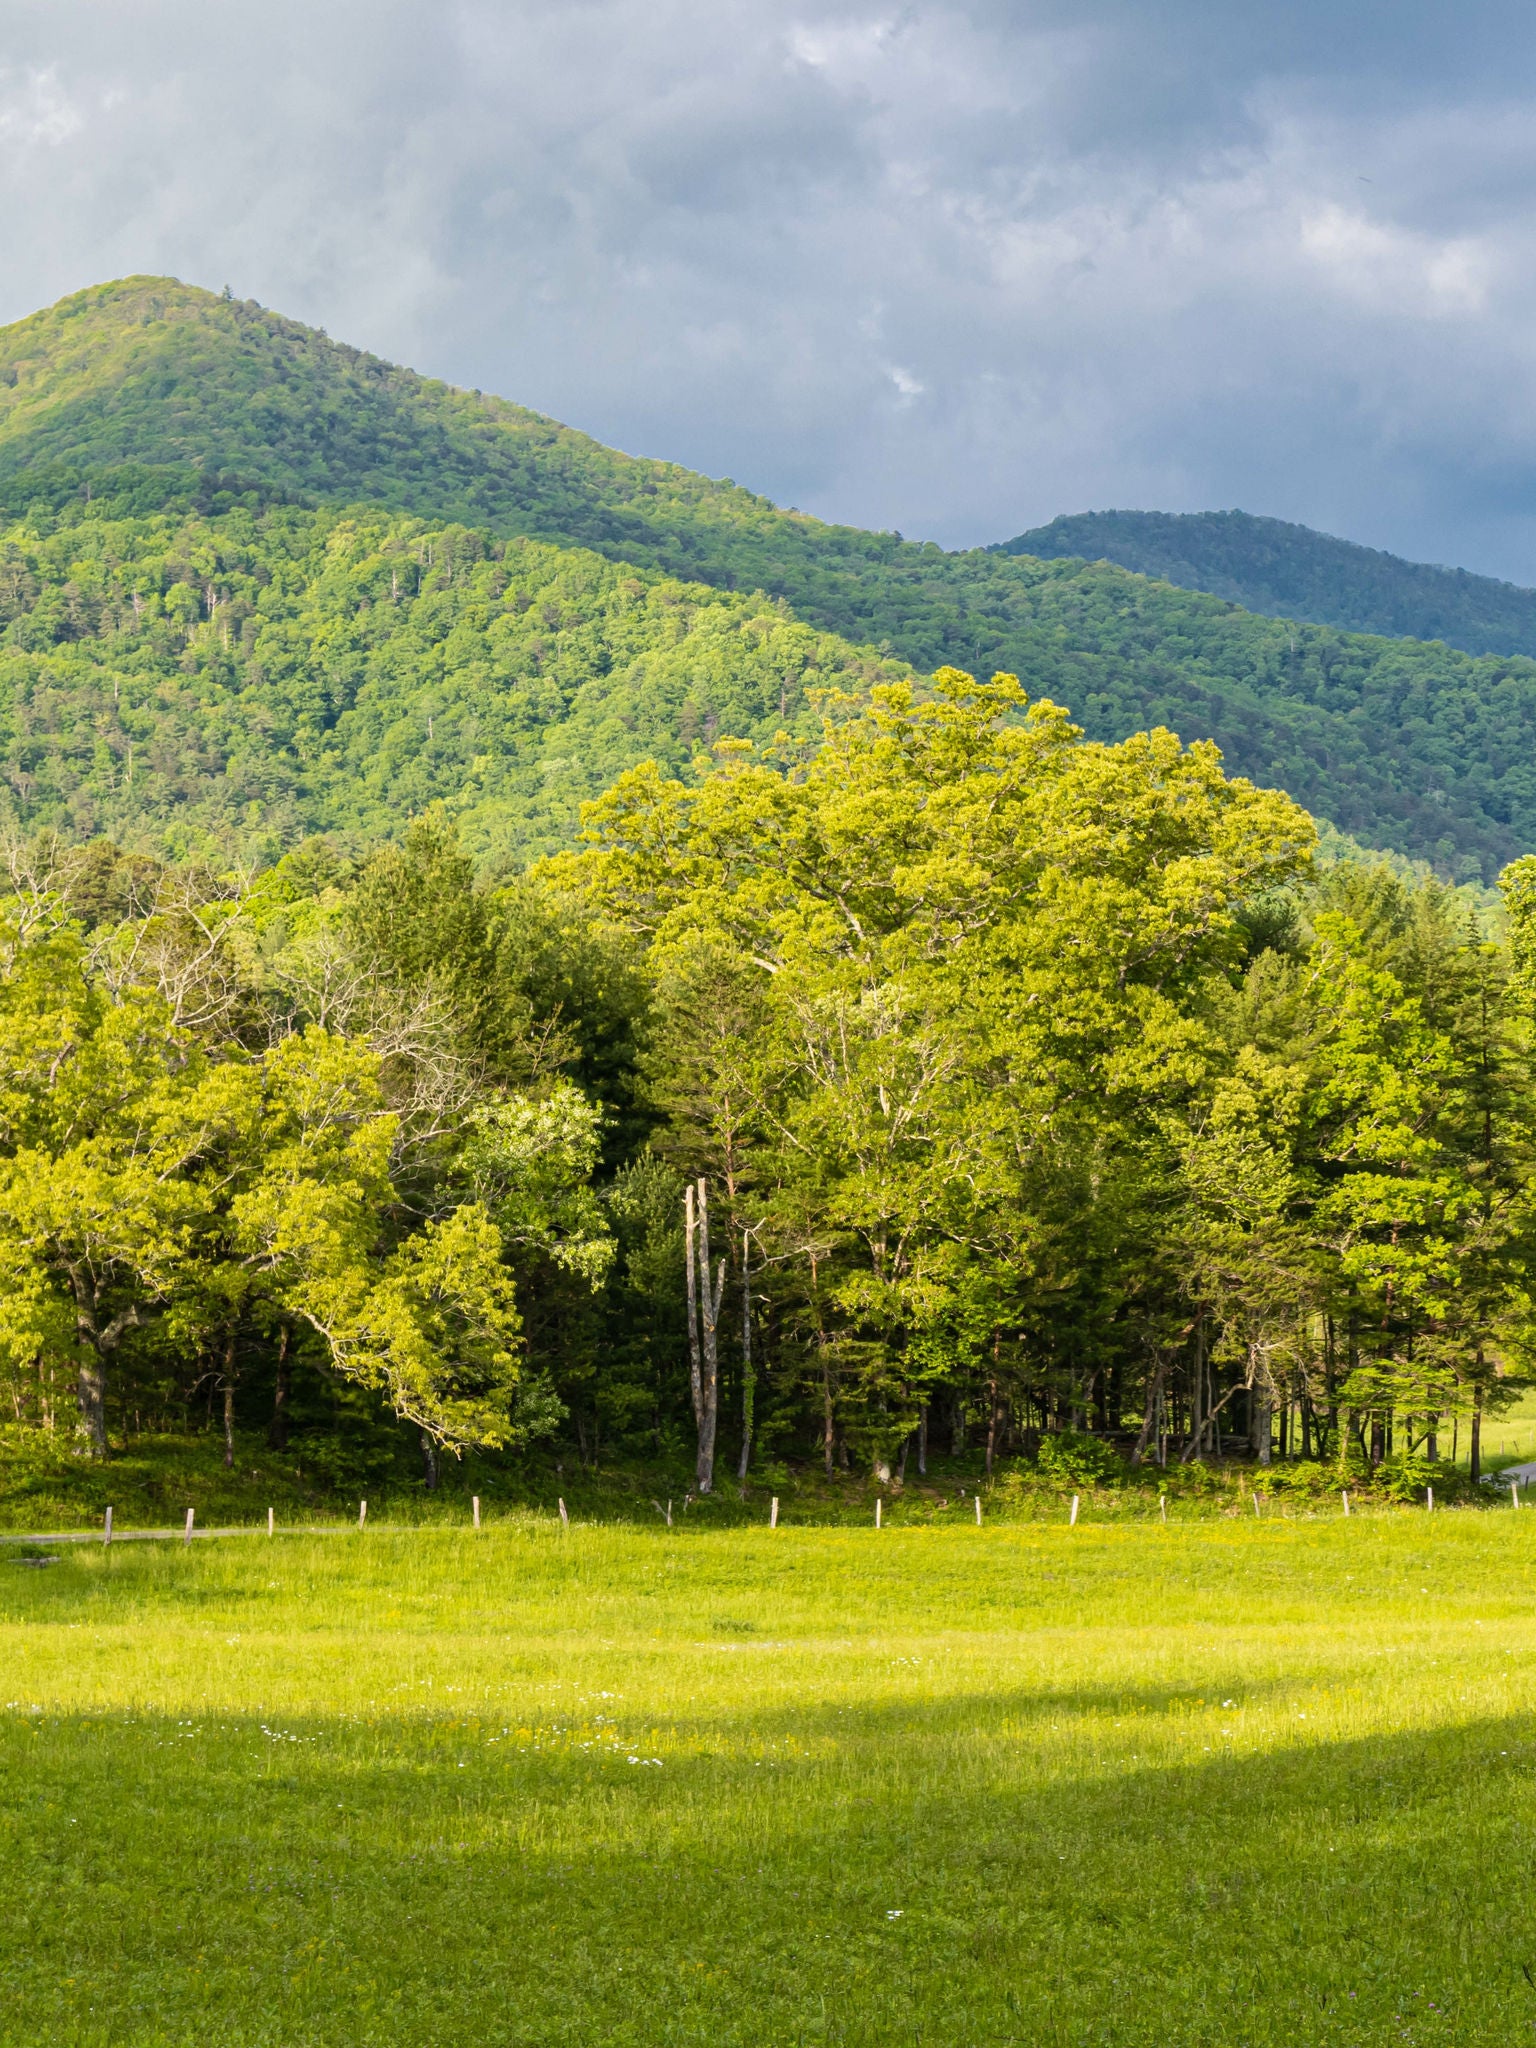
277 1428
709 1307
748 1365
229 1402
1378 1439
1432 1438
1149 1416
429 1460
93 1401
922 1441
1475 1447
98 1345
993 1409
1258 1420
690 1233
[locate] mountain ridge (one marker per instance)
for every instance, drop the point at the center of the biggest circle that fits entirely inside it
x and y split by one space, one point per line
1283 570
148 430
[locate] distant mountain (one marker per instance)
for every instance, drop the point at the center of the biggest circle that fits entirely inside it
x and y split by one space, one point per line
1292 572
255 583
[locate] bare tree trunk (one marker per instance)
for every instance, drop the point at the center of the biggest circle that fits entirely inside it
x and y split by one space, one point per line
1475 1446
922 1441
277 1428
1258 1414
690 1233
429 1459
709 1305
748 1364
828 1407
229 1401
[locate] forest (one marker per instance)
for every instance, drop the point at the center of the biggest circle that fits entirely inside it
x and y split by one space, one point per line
933 1076
1293 572
226 683
167 455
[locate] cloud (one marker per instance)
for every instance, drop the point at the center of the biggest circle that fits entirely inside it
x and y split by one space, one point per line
951 268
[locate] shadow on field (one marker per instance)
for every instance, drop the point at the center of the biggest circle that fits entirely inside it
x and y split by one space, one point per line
225 1881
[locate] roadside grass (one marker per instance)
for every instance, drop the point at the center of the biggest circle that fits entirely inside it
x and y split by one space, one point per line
1223 1783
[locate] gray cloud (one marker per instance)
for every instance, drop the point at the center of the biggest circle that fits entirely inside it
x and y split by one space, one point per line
949 267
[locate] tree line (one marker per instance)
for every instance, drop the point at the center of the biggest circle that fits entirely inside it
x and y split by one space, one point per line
945 1080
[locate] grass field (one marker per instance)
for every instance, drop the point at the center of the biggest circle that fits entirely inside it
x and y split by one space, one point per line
1226 1783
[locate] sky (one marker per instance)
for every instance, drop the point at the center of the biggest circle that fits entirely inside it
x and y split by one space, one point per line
945 268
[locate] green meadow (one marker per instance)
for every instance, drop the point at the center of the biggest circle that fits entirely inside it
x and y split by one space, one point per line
1223 1782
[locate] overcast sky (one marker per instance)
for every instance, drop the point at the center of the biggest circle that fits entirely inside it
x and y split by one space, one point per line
952 268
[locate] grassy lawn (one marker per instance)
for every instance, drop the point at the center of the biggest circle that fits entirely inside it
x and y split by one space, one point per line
1223 1783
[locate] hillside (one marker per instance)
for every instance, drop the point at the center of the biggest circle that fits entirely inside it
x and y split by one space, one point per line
175 466
240 681
1292 572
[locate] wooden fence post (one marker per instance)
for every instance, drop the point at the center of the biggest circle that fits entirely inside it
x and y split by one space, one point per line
1431 1492
187 1538
565 1520
1073 1523
877 1512
271 1521
978 1510
1346 1503
475 1500
773 1513
1162 1505
106 1534
362 1513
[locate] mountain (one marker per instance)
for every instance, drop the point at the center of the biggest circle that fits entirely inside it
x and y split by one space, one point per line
254 583
1291 572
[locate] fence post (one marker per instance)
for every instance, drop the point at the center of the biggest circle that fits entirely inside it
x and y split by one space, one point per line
773 1512
1431 1492
1162 1505
1514 1492
978 1510
1346 1503
565 1520
187 1538
475 1499
877 1512
270 1522
1073 1523
362 1513
106 1534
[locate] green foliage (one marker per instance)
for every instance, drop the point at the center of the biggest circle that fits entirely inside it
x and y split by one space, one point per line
350 718
1291 572
1071 1456
238 683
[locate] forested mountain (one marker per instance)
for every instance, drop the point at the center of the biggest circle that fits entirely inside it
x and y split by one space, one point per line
1026 1081
233 683
150 434
1292 572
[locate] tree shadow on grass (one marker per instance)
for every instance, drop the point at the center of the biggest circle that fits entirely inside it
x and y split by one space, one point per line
220 1881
